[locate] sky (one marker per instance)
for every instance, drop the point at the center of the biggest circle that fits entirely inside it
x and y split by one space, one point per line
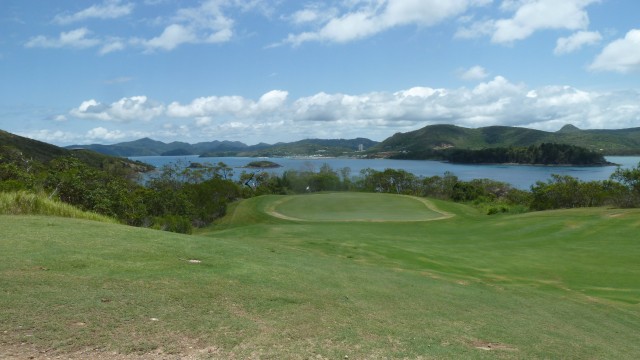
110 71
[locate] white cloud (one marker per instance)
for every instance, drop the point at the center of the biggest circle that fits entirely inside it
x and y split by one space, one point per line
272 100
576 41
51 136
78 38
173 36
474 73
210 106
112 46
366 18
234 106
312 14
196 25
531 16
109 9
101 133
124 110
202 24
377 115
95 135
622 55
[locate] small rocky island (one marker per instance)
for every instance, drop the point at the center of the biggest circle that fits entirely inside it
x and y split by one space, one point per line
262 164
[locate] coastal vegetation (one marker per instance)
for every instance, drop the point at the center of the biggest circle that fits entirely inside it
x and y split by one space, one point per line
180 198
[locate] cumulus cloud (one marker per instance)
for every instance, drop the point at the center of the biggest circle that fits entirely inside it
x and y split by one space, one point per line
203 24
474 73
622 55
124 110
576 41
366 18
95 135
51 136
78 38
530 16
109 9
101 133
236 106
273 116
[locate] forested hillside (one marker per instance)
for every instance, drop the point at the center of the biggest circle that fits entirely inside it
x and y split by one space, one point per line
435 137
543 154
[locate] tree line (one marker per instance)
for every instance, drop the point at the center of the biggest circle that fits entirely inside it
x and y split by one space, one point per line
179 198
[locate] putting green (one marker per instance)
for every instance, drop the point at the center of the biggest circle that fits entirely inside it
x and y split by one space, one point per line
355 207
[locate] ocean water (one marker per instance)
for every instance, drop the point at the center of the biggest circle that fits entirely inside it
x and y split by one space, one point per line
519 176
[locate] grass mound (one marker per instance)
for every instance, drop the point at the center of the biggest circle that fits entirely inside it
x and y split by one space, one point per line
25 203
562 284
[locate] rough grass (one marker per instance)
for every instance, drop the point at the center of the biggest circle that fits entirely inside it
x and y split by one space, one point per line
26 203
562 284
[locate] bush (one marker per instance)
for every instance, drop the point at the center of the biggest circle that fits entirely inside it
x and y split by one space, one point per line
173 223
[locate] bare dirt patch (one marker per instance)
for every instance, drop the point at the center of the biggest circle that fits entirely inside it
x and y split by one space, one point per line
26 351
492 346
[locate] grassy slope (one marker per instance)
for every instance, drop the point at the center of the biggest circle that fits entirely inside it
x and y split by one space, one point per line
562 284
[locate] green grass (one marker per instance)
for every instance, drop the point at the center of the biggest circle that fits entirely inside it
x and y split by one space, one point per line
562 284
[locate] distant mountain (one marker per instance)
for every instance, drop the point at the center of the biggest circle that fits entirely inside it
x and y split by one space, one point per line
311 147
435 137
149 147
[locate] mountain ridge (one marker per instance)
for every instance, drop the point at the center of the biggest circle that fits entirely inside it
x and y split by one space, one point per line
434 137
431 137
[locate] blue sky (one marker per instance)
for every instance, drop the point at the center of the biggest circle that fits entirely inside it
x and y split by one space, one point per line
108 71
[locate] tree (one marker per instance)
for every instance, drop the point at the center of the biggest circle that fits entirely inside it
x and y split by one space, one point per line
630 179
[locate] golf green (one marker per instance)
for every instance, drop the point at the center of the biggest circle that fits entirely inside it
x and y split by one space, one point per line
355 207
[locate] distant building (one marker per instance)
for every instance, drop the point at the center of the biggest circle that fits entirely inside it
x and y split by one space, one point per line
360 147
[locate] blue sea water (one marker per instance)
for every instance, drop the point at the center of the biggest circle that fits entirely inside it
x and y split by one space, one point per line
519 176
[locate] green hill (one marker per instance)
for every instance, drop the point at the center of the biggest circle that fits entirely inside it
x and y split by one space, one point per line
608 142
12 146
561 284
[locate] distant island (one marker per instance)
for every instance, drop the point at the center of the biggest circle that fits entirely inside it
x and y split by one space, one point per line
262 164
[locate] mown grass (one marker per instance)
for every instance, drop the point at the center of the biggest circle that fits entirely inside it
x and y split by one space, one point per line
350 207
560 284
26 203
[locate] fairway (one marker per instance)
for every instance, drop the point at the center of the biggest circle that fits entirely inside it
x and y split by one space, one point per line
355 207
543 285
